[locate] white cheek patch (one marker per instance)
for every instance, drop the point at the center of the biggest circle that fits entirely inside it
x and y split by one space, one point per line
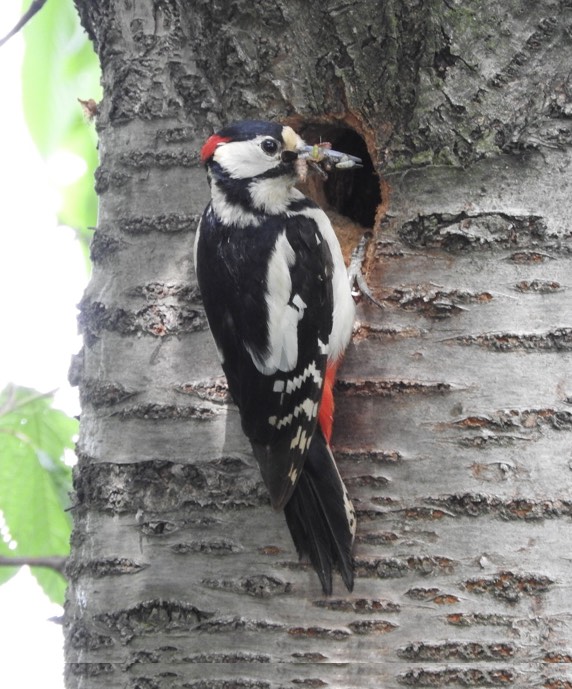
243 159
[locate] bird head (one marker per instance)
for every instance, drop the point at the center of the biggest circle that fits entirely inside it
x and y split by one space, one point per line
253 149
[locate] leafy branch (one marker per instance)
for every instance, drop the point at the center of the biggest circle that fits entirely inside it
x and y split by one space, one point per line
34 487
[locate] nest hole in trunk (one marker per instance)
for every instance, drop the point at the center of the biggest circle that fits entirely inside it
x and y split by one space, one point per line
354 193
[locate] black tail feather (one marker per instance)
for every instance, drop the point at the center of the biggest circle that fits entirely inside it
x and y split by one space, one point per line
320 518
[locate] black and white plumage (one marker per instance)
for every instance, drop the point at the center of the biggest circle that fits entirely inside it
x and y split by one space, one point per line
279 306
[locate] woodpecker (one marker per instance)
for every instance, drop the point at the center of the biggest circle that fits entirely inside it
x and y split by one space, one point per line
278 302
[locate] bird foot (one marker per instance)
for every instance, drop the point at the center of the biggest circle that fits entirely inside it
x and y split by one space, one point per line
358 282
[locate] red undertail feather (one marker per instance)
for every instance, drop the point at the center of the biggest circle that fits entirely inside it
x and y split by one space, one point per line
210 145
326 412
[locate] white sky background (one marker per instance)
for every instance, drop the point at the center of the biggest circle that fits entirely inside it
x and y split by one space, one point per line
42 277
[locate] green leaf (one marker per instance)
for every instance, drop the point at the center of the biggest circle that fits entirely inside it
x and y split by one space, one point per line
34 480
59 67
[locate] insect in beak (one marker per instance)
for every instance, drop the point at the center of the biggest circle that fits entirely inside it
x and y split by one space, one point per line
322 158
324 153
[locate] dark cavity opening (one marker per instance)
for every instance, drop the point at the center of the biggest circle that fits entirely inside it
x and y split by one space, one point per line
354 193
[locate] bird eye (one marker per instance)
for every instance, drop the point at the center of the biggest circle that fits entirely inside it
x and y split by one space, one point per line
269 146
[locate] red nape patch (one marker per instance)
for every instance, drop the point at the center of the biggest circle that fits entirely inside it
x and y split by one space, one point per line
326 411
212 142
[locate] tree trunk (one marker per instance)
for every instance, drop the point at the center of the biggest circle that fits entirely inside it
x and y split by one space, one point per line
453 405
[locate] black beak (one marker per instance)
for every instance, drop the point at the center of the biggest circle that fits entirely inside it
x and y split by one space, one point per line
289 156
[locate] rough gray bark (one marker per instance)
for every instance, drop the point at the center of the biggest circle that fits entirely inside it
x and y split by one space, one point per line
454 418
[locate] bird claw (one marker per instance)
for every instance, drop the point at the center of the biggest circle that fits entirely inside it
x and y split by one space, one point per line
355 272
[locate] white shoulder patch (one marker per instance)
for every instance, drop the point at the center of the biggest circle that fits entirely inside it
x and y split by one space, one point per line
284 312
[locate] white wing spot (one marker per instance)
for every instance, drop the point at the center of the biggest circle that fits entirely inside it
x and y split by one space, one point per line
285 421
304 440
293 474
310 371
308 407
296 440
301 441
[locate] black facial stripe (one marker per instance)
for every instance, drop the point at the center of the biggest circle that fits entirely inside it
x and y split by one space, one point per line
236 190
282 170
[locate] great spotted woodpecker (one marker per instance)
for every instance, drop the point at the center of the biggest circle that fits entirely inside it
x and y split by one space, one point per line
278 302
